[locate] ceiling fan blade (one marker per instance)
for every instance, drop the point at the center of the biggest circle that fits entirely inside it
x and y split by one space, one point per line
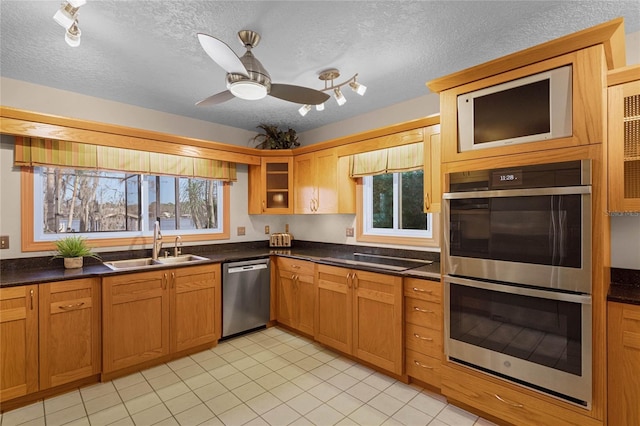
218 98
222 54
298 94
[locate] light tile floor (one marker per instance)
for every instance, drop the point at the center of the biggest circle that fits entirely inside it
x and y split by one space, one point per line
269 377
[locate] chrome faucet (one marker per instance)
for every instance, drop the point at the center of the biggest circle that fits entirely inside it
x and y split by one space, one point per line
176 251
157 240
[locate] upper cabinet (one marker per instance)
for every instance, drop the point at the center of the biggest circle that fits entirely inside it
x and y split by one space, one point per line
432 179
624 139
271 186
322 183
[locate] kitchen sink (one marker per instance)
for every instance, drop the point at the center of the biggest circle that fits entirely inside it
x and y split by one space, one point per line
147 262
180 259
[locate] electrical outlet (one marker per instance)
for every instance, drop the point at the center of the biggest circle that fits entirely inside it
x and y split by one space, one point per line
4 242
349 232
241 230
266 229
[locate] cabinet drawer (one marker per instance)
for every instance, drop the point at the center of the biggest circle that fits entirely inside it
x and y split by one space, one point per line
424 340
506 402
423 313
423 289
423 367
295 265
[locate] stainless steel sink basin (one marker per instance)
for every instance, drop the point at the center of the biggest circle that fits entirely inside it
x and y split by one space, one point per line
180 259
147 262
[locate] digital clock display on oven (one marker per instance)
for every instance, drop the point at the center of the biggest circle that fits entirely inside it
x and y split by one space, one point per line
506 178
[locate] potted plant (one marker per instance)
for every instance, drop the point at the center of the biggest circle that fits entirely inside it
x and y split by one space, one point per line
273 138
73 249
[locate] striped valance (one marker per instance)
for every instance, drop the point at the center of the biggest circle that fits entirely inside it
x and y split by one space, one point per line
401 158
49 152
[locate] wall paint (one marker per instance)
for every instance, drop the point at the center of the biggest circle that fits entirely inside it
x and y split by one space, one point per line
625 231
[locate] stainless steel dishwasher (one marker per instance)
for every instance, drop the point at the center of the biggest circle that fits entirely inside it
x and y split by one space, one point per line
246 291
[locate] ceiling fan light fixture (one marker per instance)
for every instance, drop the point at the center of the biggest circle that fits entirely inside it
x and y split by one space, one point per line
66 15
249 90
360 89
77 3
340 99
304 109
72 36
320 107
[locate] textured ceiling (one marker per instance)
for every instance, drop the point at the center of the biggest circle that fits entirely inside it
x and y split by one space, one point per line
146 53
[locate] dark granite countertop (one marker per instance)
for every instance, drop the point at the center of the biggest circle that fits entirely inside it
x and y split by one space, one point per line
625 286
42 270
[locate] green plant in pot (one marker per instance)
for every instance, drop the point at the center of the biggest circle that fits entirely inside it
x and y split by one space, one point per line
73 249
274 138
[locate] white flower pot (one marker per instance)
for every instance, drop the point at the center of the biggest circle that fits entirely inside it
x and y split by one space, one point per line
73 262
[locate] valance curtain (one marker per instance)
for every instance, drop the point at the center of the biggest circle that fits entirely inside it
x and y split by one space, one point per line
49 152
403 158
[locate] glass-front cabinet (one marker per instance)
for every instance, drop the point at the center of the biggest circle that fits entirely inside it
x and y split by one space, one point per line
624 144
271 186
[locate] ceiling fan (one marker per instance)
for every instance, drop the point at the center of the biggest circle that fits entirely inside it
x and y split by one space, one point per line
247 78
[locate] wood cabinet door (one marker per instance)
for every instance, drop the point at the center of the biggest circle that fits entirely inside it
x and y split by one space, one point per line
69 331
135 319
326 170
18 341
286 295
304 183
624 147
195 306
624 364
306 302
377 324
334 307
431 175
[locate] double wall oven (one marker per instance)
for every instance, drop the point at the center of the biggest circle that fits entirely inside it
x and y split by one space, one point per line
517 262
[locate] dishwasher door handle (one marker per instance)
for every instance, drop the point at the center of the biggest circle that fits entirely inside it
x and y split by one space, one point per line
247 268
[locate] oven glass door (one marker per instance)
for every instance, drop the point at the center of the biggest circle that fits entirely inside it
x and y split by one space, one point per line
538 336
543 229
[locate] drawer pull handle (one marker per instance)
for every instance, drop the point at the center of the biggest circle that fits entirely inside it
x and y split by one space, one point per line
421 290
295 266
512 404
426 311
419 364
69 307
422 338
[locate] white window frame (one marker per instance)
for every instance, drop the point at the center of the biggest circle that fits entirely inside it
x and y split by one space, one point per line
396 231
38 219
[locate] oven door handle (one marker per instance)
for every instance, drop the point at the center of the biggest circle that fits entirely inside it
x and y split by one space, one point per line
583 299
528 192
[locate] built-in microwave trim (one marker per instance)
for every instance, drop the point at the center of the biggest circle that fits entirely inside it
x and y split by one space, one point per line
578 389
560 110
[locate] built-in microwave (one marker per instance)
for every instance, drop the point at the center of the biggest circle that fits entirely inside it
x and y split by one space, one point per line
529 109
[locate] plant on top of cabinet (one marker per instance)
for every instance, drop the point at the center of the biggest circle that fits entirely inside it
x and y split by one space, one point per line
274 138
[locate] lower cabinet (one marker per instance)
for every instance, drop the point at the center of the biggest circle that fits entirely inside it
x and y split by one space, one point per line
360 313
49 335
295 306
624 364
423 330
149 315
18 341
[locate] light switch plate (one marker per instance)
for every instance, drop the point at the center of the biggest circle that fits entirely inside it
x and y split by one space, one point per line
349 232
241 230
4 242
266 229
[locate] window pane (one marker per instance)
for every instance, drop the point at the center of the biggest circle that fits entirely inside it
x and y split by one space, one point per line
198 205
83 201
411 201
382 201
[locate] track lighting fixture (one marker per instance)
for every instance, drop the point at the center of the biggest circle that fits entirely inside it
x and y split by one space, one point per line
67 17
328 76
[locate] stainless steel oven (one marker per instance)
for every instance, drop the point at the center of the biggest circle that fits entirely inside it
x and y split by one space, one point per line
538 338
517 264
527 225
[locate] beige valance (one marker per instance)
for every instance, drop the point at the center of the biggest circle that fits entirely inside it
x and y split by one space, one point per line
403 158
50 152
